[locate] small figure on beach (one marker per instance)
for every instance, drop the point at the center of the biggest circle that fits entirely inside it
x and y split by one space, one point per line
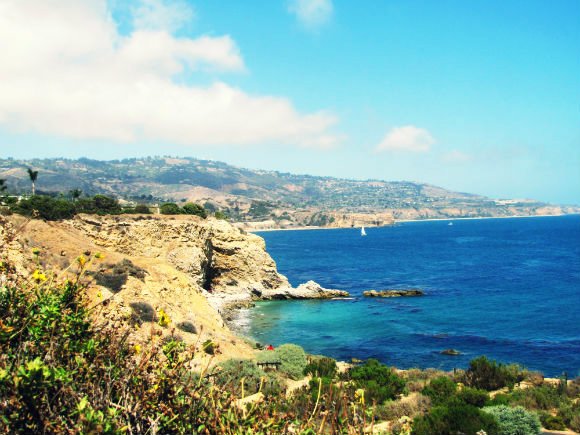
270 347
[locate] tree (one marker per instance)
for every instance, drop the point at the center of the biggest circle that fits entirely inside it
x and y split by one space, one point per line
33 176
379 381
170 208
3 186
194 209
75 194
142 208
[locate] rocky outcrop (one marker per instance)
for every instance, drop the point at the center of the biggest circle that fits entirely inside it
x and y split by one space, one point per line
308 290
220 258
392 293
231 265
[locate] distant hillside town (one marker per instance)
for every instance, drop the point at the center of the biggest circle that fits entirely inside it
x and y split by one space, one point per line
257 198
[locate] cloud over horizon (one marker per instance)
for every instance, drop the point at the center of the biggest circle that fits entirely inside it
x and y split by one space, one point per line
407 138
311 13
67 71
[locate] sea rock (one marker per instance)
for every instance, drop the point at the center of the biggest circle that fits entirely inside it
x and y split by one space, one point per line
450 352
391 293
308 290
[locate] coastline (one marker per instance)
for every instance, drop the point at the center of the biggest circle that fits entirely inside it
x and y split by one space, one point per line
267 230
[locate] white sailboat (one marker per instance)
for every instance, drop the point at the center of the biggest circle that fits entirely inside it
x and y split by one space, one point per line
362 231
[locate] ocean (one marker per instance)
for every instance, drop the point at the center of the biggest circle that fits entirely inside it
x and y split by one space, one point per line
505 288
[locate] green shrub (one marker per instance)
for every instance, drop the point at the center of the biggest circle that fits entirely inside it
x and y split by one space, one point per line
473 396
114 276
254 379
45 207
106 205
411 406
292 358
500 399
170 208
326 386
570 413
379 381
552 422
142 209
209 347
574 423
514 421
322 367
453 418
220 215
489 375
440 390
544 397
194 209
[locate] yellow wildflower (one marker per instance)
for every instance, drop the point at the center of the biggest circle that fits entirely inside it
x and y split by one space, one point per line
6 328
164 318
38 276
99 256
137 348
99 295
406 425
360 395
82 260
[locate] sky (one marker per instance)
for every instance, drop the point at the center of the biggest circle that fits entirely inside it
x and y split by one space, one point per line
479 96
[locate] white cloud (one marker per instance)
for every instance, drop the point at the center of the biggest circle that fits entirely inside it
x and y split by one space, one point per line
66 71
311 13
456 156
407 138
162 14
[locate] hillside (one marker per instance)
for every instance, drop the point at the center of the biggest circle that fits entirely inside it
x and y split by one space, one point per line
268 197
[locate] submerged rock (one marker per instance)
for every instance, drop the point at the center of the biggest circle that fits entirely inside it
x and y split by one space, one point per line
450 352
393 293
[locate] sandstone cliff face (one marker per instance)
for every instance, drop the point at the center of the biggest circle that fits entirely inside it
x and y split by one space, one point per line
219 257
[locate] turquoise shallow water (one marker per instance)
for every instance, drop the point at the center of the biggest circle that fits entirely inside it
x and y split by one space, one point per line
506 288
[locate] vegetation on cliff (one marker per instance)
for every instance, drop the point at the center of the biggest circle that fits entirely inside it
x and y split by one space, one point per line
63 370
58 208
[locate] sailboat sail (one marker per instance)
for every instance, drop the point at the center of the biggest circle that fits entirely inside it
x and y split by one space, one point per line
362 231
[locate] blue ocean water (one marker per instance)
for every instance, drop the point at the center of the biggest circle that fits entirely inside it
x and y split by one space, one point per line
506 288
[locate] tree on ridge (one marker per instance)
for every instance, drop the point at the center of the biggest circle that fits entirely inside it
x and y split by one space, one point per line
75 194
33 176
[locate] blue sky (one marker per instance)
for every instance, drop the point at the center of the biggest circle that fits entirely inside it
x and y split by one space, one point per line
477 96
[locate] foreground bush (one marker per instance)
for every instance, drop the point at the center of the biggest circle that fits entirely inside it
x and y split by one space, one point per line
453 418
379 381
244 377
323 367
489 375
440 390
292 358
60 372
515 421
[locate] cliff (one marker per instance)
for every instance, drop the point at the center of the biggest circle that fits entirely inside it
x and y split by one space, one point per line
187 267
